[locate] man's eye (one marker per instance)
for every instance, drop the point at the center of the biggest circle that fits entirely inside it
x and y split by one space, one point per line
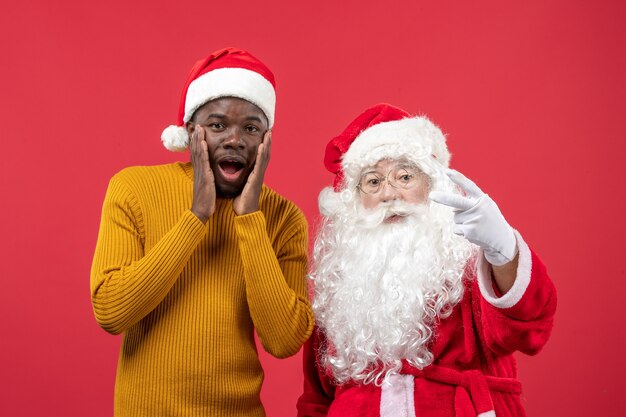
252 129
405 178
216 125
373 182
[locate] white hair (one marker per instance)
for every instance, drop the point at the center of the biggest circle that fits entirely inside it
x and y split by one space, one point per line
379 288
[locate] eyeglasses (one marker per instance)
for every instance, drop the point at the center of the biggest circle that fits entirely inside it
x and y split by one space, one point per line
401 177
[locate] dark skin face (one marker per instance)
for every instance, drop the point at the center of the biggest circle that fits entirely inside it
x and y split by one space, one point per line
233 130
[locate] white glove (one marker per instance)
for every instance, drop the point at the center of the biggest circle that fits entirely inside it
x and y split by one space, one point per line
479 220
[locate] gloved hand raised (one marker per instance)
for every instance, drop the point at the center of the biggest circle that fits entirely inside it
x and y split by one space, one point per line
479 220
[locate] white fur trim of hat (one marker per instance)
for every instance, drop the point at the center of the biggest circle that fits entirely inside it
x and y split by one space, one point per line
414 138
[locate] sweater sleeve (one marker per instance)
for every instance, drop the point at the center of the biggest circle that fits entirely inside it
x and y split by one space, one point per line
126 283
522 319
276 283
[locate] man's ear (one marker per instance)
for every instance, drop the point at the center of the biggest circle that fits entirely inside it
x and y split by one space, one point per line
191 127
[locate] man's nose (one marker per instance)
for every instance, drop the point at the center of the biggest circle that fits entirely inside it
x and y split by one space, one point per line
234 139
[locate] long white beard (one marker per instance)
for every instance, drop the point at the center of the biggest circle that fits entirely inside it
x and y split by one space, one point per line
380 287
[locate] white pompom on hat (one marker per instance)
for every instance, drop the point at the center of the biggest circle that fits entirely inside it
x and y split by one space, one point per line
229 72
381 132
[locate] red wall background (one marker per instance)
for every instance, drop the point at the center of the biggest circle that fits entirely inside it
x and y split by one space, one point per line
531 95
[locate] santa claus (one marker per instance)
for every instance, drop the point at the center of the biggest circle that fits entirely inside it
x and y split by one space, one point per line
422 291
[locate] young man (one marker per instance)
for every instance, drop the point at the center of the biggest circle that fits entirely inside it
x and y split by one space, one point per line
422 290
193 257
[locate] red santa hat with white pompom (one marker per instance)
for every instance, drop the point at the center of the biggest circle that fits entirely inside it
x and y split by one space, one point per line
229 72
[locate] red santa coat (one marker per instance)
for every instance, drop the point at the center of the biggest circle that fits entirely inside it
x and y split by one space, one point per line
474 372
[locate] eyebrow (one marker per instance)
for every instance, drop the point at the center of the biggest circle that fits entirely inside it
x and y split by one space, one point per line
255 118
223 116
407 165
371 171
402 165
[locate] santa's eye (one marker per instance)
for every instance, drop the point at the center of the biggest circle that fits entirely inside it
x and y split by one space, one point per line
405 178
370 183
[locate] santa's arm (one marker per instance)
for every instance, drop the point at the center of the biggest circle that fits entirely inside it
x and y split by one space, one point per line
522 318
518 299
319 391
504 275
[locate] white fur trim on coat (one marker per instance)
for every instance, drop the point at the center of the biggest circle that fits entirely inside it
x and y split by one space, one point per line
231 82
397 396
522 280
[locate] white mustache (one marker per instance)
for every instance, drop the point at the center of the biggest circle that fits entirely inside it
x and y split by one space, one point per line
370 218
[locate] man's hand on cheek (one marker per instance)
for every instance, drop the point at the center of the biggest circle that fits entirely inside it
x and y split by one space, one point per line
248 201
203 205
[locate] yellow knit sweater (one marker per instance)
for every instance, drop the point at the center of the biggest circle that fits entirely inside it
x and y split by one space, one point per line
187 296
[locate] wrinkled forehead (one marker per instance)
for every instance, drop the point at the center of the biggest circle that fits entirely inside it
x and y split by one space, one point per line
388 164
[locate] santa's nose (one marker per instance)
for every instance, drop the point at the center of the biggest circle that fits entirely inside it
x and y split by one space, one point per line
389 192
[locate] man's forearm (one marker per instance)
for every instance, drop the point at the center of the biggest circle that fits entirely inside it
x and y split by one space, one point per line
276 290
126 284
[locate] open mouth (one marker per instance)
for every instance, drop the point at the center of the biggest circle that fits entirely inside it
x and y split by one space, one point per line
230 169
394 218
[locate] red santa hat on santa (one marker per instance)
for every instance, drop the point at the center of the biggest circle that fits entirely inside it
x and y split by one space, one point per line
228 72
383 132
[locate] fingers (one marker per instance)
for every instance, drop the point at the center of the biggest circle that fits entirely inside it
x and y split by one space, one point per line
204 147
267 143
263 153
248 200
465 183
203 203
194 144
455 201
199 150
195 151
262 156
457 229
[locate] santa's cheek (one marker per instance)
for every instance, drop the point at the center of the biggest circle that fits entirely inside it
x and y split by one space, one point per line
369 201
